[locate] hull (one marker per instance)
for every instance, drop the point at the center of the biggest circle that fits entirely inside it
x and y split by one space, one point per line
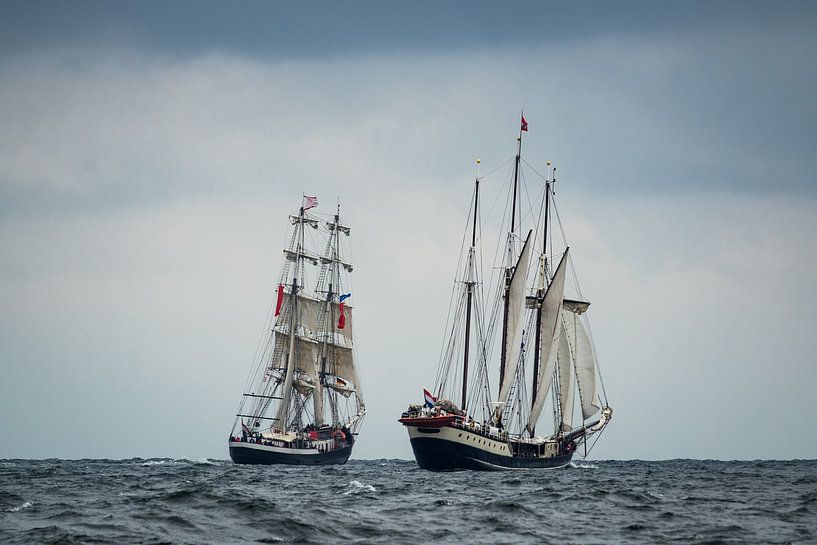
428 421
453 449
251 453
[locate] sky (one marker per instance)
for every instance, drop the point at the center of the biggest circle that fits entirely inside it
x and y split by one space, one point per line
150 153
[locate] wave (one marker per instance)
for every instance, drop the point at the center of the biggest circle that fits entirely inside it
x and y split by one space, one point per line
180 461
25 505
357 487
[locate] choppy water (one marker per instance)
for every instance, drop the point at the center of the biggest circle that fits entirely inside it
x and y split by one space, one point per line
392 501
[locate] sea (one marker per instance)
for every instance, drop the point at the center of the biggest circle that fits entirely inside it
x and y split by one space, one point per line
393 501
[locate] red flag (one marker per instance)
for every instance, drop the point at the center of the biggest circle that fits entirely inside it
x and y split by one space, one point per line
342 319
524 124
280 299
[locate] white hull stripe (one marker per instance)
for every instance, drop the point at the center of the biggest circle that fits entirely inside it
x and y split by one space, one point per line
280 450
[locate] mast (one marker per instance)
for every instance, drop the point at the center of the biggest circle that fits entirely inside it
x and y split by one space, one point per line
537 354
469 283
502 361
283 411
329 320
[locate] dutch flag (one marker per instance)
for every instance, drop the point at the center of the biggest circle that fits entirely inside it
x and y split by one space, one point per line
430 399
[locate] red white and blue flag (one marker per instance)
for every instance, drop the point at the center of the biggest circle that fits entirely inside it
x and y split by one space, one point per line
429 399
310 202
245 428
524 126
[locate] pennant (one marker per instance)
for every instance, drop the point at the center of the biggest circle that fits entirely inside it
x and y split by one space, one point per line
524 124
310 202
280 299
430 400
340 381
344 297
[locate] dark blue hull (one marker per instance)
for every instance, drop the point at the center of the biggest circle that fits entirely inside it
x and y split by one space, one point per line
441 455
246 454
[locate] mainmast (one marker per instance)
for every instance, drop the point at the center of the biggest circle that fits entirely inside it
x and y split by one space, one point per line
283 411
329 316
469 286
537 354
511 233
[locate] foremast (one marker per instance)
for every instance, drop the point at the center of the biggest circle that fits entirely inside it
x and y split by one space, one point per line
470 282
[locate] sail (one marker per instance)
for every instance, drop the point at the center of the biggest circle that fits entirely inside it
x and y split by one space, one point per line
306 335
306 353
565 366
549 331
334 336
584 363
306 321
514 324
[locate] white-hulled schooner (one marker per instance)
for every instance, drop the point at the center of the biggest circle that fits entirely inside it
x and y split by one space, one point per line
546 354
302 402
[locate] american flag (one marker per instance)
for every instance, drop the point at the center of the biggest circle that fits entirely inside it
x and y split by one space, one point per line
310 202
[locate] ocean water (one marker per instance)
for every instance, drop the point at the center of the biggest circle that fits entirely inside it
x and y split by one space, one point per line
392 501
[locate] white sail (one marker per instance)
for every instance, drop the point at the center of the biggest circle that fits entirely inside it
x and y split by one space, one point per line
333 335
306 321
549 332
306 353
516 303
584 363
565 366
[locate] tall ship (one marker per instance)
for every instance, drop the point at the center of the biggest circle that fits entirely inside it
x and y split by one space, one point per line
526 323
302 402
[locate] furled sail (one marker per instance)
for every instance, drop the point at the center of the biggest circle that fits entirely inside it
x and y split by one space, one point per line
514 325
584 362
550 331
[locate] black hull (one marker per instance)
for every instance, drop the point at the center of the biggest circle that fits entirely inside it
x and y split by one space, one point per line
440 455
246 454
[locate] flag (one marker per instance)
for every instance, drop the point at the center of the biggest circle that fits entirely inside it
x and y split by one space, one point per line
280 299
342 318
524 124
245 428
310 202
340 381
430 399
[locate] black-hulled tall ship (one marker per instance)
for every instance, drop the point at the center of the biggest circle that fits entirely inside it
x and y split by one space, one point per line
546 354
302 403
